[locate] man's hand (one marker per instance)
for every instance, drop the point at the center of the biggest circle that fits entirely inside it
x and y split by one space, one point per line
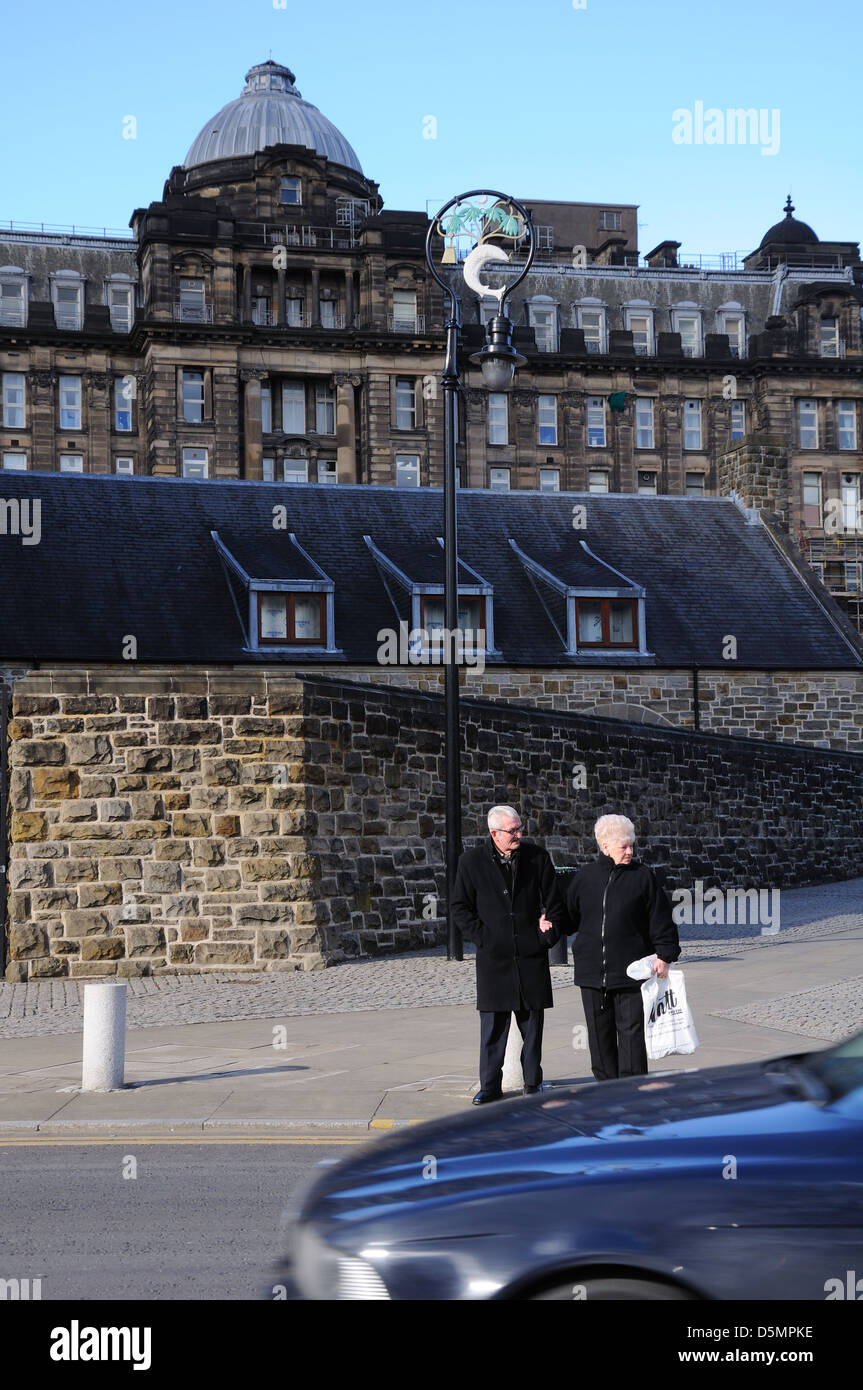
660 968
545 924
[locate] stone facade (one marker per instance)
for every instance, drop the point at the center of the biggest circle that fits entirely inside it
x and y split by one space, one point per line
200 819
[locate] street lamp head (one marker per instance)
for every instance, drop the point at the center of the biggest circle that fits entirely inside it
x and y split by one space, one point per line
498 359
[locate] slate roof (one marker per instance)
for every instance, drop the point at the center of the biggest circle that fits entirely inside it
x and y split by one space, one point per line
135 556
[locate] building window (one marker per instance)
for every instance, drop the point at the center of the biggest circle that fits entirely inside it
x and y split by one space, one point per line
606 622
260 310
592 321
327 308
498 418
498 479
640 326
847 421
850 484
647 483
268 470
644 422
294 311
266 408
70 402
122 403
14 406
597 480
549 480
407 470
192 303
195 463
488 309
543 321
71 463
15 461
733 325
293 407
327 472
121 307
193 397
470 611
295 471
406 403
853 576
692 424
124 465
807 414
13 303
67 305
689 328
829 338
404 311
811 499
294 619
325 410
548 419
738 419
695 484
609 221
596 422
290 190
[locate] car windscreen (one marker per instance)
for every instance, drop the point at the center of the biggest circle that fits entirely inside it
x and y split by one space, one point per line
840 1068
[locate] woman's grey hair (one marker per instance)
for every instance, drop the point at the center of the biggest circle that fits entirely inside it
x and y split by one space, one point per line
501 813
614 828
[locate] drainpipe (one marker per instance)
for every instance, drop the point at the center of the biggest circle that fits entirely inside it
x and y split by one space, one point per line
696 712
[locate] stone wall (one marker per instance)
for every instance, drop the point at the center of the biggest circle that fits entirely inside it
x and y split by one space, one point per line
756 468
197 819
821 708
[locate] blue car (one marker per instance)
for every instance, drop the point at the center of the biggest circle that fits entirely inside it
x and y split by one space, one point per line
741 1182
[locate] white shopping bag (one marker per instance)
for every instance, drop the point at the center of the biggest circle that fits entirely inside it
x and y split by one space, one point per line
668 1025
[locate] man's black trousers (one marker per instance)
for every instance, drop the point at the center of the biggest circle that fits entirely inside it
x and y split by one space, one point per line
493 1033
615 1032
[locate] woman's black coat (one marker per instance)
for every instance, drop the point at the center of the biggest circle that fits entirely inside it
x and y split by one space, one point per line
511 951
620 913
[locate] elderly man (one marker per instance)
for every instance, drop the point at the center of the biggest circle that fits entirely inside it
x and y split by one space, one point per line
620 913
507 902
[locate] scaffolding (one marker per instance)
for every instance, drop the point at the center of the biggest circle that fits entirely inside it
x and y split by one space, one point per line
838 563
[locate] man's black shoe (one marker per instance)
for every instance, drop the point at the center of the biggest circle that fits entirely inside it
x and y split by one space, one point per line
483 1097
532 1090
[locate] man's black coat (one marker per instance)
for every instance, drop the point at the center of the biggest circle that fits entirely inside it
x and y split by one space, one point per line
620 913
511 951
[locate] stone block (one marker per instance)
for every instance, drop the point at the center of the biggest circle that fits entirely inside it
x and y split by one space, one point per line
86 749
16 972
144 829
148 760
84 969
75 870
208 853
129 969
77 810
55 783
224 953
222 880
254 914
27 942
87 922
180 954
93 785
260 870
304 865
99 894
119 869
273 945
115 809
102 948
28 825
164 877
227 826
48 968
184 732
193 932
31 873
191 823
179 851
221 772
53 899
37 753
34 704
145 941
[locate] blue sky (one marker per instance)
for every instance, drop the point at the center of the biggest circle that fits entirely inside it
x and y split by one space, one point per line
541 99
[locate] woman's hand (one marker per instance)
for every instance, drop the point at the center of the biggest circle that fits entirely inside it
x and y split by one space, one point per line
660 968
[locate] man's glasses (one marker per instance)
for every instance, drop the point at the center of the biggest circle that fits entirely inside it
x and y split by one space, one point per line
519 830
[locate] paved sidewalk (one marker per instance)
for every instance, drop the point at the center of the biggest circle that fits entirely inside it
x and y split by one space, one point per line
374 1043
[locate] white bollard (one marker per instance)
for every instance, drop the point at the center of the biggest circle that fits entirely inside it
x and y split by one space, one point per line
512 1075
104 1036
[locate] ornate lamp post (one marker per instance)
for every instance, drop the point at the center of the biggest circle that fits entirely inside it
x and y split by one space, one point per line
476 227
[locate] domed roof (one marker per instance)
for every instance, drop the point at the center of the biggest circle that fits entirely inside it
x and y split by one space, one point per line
789 230
269 111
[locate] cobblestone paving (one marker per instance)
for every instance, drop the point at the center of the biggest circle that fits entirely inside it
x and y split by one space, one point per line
831 1012
424 979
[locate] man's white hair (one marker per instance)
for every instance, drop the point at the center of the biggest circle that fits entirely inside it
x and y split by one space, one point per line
614 828
497 814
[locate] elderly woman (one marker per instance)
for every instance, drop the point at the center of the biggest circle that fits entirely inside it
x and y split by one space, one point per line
620 913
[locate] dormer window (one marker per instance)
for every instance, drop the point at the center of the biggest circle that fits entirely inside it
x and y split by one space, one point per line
67 294
294 619
471 614
120 298
13 297
606 622
686 321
